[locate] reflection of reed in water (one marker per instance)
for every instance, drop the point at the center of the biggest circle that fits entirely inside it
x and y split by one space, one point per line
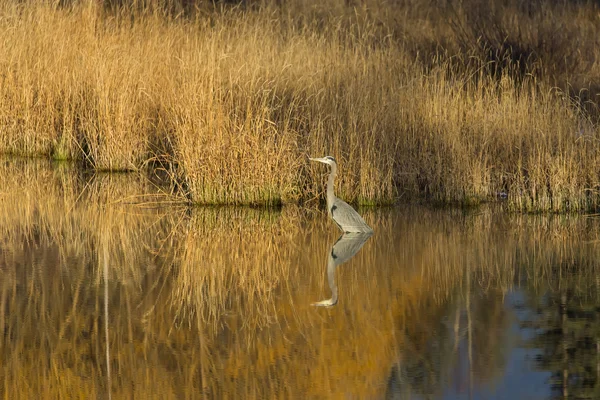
344 249
57 232
212 302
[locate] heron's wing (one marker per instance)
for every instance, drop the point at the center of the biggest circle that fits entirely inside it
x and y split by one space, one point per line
347 246
347 218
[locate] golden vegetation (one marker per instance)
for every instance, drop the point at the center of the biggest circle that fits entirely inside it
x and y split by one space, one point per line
455 102
215 302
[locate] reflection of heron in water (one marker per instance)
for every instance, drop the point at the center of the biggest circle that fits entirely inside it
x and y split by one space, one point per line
344 249
346 218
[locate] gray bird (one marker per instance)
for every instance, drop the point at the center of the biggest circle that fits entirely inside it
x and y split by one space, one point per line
343 250
346 218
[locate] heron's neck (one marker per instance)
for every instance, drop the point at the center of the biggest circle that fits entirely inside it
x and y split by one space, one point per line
330 195
331 265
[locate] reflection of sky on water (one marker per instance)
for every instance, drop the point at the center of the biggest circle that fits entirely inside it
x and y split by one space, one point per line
520 379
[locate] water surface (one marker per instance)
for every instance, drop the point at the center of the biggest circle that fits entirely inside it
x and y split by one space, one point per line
107 292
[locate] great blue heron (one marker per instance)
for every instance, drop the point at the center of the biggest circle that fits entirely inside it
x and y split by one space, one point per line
344 249
346 218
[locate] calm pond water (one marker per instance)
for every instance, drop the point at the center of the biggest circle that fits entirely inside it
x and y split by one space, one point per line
107 292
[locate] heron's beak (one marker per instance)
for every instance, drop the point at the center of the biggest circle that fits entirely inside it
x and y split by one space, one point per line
323 160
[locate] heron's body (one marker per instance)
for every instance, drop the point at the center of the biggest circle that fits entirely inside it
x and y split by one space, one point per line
345 217
343 250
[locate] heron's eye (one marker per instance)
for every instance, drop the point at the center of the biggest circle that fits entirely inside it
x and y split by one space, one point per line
330 158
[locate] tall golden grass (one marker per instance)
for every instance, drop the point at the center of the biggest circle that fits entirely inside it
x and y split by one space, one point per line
443 102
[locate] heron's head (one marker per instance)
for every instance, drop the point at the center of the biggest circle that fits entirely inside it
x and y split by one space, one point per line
326 160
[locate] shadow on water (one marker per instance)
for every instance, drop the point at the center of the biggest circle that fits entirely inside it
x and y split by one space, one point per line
105 292
343 250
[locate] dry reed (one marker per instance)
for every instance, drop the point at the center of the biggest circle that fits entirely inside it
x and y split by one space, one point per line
414 101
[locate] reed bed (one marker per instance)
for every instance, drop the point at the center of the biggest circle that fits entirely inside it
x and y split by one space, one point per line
416 101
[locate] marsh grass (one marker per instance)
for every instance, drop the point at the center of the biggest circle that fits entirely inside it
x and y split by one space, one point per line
415 101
